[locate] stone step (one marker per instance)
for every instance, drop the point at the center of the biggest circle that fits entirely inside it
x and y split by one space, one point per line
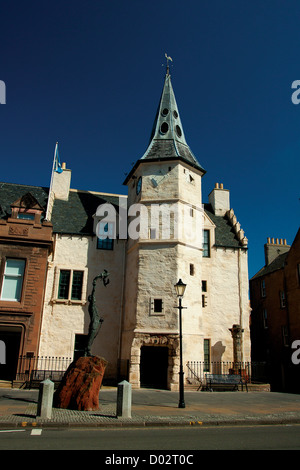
5 384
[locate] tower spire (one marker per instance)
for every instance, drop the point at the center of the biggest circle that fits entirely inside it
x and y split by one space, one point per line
167 141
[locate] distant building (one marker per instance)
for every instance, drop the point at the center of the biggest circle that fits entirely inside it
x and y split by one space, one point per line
275 318
139 336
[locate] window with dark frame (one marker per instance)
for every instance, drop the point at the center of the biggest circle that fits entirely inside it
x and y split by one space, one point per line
265 318
206 244
70 285
263 288
64 284
206 346
282 299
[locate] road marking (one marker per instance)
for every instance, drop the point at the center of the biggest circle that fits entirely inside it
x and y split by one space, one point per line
14 430
36 432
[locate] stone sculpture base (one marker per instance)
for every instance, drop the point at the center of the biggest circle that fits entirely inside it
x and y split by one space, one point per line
80 386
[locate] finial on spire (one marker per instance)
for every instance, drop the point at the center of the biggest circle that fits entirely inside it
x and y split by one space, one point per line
168 67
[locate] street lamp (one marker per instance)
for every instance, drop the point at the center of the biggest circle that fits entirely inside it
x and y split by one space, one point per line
180 289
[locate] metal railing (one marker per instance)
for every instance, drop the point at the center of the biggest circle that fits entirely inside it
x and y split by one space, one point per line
250 371
37 368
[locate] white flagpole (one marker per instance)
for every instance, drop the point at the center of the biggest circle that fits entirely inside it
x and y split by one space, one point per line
51 183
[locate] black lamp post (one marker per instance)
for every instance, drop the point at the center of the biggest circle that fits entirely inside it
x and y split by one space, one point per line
180 289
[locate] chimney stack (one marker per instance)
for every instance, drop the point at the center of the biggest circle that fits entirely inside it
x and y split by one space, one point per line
219 199
273 248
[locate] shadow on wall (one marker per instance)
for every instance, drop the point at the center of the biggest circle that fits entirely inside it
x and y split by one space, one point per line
217 351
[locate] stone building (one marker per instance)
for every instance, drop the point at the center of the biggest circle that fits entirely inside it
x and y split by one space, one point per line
275 317
204 246
161 232
25 244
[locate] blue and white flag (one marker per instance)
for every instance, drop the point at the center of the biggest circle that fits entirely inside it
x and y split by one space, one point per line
57 164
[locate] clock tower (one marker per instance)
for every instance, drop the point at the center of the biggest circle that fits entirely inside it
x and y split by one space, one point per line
164 244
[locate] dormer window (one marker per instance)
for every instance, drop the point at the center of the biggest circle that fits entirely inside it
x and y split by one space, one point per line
25 216
27 208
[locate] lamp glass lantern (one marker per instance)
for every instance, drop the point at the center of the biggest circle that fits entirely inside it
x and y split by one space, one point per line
180 288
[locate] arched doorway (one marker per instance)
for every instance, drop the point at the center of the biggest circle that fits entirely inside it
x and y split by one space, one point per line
10 337
154 366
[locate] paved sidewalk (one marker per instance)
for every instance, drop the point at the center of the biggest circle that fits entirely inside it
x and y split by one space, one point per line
157 408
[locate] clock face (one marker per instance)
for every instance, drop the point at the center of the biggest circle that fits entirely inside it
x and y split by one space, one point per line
139 185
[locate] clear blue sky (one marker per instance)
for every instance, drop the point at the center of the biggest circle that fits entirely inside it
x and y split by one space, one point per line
89 75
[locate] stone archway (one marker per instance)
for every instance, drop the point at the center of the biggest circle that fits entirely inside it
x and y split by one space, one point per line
162 341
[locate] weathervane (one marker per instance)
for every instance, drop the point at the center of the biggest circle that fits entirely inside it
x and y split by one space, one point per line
168 58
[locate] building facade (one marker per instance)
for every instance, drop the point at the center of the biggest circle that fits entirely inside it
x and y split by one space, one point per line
160 233
25 245
275 324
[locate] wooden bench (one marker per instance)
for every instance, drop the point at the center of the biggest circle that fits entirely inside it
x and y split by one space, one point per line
224 381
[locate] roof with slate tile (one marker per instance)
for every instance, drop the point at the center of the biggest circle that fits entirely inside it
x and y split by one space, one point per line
224 234
275 265
10 192
75 216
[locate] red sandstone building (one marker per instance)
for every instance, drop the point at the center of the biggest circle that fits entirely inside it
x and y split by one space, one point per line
25 244
275 318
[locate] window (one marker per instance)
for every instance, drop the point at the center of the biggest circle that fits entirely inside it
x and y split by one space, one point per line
70 285
206 244
265 318
282 299
13 279
80 345
204 297
263 288
192 270
157 306
206 365
25 216
105 241
152 233
285 335
158 303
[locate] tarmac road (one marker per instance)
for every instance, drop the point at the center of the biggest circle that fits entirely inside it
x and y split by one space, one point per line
173 441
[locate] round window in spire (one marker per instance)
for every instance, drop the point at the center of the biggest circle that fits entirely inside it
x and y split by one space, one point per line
175 114
165 112
164 128
178 131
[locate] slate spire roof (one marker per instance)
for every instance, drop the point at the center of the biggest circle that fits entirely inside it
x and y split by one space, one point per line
167 141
